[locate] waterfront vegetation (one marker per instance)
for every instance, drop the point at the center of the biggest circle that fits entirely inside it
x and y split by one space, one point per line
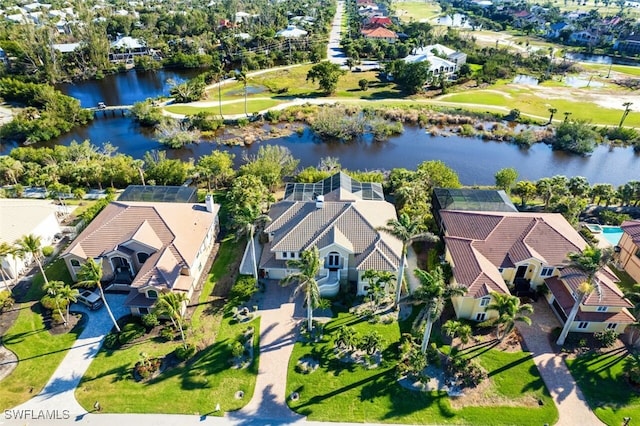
342 391
38 351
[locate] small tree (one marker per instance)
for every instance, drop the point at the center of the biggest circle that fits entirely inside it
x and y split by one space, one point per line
53 291
327 75
371 342
509 311
506 178
307 268
171 304
90 275
363 84
33 245
346 338
453 328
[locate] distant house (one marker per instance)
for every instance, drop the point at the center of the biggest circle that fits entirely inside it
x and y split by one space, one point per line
292 32
380 33
442 60
630 45
340 216
508 252
126 48
66 47
20 217
584 37
147 248
629 254
383 21
554 30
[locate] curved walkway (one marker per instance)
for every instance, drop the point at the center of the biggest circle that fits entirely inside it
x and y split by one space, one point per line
568 397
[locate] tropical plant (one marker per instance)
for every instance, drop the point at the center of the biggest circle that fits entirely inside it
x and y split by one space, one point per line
6 250
379 285
245 221
627 109
453 328
307 268
346 338
53 290
407 230
371 342
509 310
241 76
90 276
552 112
32 244
433 293
68 294
327 74
171 305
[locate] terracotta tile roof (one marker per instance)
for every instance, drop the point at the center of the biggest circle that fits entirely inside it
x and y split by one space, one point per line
352 224
609 294
632 228
379 32
482 242
175 230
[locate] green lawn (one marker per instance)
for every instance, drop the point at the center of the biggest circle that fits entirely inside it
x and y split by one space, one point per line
601 379
349 393
39 352
194 388
253 105
416 10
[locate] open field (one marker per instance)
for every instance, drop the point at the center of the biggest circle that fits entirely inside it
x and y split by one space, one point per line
419 11
346 392
237 107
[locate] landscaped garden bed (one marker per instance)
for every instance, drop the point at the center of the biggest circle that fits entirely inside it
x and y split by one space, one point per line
354 392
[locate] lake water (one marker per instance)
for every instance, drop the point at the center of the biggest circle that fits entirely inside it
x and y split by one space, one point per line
475 160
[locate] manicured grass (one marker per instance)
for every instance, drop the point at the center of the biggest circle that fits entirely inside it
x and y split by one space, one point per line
528 102
38 351
351 393
602 381
626 283
416 11
622 69
253 105
194 388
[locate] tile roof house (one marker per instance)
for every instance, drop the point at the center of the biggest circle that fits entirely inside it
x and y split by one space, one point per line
341 217
442 60
380 33
629 255
511 252
147 248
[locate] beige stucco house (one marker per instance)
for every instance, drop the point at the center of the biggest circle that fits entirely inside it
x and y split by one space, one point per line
512 252
629 254
340 216
147 248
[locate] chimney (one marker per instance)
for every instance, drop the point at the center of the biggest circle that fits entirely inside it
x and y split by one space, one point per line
209 202
319 201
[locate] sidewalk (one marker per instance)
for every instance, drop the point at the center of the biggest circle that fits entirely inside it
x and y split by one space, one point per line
569 399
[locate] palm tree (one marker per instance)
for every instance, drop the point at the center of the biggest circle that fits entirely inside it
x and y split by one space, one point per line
241 76
407 230
308 267
509 311
346 337
588 263
33 245
350 63
453 328
552 111
69 295
379 284
246 220
627 108
170 304
90 275
5 251
53 289
433 292
218 74
566 115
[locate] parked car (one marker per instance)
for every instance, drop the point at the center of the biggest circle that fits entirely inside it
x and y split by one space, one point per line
90 299
102 105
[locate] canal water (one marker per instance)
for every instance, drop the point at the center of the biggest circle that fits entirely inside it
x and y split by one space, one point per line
476 161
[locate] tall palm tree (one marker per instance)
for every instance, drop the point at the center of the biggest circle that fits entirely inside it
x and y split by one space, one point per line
5 251
170 304
246 219
241 76
32 244
218 74
407 230
588 263
627 108
53 289
509 311
433 292
307 267
552 111
90 275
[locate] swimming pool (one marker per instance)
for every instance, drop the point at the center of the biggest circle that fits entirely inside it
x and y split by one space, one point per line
612 234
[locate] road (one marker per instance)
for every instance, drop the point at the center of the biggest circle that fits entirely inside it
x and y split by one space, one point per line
335 54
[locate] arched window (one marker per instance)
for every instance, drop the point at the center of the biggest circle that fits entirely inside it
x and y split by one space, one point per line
75 263
152 294
142 257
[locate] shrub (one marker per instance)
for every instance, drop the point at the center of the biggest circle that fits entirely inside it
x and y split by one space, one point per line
467 130
242 290
111 341
606 338
168 334
467 372
130 332
150 320
243 122
48 303
237 349
184 353
6 301
525 138
47 251
608 217
363 84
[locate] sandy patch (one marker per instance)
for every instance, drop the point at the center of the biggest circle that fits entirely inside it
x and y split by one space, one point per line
8 362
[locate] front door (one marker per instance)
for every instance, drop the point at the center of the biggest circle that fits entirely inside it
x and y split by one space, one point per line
522 270
333 260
